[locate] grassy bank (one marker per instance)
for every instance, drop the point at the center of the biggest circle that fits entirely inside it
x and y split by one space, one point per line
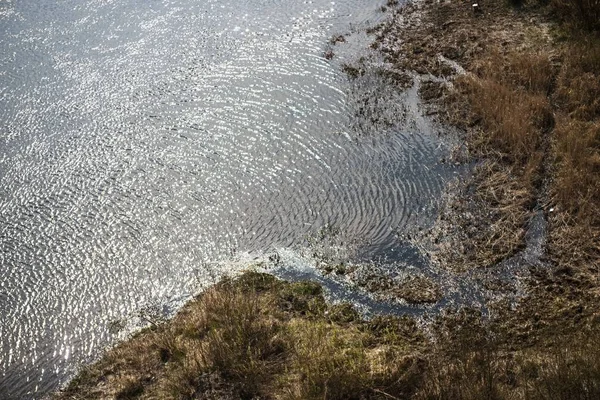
527 102
537 113
259 337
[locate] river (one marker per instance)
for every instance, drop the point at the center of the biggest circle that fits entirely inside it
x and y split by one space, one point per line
143 140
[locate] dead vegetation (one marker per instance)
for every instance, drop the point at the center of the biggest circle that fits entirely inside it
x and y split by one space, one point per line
577 14
575 235
472 359
528 103
538 115
501 102
512 117
539 121
482 222
258 337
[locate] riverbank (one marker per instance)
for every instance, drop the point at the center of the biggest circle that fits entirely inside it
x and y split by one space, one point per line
521 84
523 88
259 337
526 98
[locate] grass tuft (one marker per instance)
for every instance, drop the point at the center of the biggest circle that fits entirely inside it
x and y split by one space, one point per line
254 337
247 346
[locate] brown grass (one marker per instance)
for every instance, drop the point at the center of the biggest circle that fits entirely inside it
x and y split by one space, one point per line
508 119
512 121
537 115
508 95
578 14
577 185
575 233
578 88
257 337
503 105
484 222
538 121
474 360
529 71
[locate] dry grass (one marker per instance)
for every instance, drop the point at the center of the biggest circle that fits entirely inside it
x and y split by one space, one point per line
508 95
256 337
505 108
537 115
575 234
530 108
538 122
577 184
512 121
476 362
482 221
530 71
578 14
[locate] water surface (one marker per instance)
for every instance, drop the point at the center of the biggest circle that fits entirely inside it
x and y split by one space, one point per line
142 140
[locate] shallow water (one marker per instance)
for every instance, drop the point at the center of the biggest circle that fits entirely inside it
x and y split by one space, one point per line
142 140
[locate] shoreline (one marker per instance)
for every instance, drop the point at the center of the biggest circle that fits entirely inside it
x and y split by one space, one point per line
508 79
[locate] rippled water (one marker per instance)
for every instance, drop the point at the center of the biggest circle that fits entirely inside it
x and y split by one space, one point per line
140 140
